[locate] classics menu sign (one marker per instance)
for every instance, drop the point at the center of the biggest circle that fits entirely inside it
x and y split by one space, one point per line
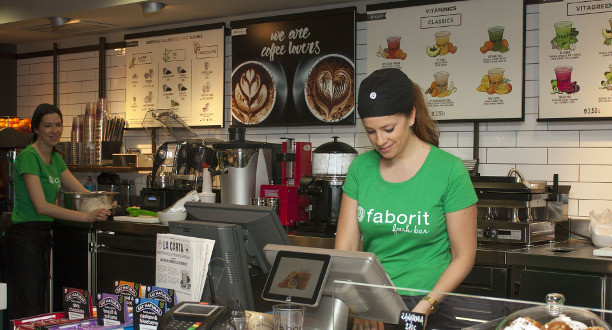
575 60
467 56
294 70
182 72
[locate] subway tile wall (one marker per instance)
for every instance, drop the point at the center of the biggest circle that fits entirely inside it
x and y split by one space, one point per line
580 152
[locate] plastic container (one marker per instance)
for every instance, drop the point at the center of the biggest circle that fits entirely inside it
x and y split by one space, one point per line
207 195
89 185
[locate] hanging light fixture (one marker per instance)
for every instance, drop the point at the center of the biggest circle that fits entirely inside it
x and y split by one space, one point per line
149 7
57 21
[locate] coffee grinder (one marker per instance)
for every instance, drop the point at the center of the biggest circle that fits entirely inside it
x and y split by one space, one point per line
296 159
330 163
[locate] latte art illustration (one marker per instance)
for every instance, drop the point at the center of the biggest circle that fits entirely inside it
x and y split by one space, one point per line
253 93
330 89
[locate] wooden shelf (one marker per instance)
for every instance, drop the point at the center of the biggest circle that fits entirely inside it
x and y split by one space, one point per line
102 168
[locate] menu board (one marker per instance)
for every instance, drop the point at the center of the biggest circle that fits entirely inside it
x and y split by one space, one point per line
182 72
576 58
294 70
467 56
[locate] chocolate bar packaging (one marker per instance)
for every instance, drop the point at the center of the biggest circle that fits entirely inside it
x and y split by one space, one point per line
129 290
77 303
147 313
112 309
163 294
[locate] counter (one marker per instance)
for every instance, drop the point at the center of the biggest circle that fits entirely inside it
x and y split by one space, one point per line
126 250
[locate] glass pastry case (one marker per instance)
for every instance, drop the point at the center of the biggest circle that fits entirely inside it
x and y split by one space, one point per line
553 312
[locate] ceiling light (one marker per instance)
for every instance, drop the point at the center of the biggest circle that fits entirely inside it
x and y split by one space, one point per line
57 21
149 7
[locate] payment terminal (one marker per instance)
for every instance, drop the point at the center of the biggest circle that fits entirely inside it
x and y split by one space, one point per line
192 315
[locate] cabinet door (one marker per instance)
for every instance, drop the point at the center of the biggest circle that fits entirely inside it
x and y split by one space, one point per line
483 281
71 261
131 266
584 290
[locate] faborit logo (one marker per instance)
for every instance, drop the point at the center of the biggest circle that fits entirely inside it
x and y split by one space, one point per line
360 213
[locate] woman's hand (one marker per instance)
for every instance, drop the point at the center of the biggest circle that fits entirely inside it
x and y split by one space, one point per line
98 215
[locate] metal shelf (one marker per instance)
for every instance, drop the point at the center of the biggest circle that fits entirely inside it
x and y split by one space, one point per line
102 168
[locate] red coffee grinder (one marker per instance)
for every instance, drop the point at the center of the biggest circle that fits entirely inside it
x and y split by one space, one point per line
296 162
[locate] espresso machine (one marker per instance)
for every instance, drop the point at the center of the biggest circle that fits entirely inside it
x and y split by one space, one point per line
517 211
296 160
330 163
244 166
177 164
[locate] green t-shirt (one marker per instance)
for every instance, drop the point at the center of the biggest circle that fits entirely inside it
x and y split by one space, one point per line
28 161
404 223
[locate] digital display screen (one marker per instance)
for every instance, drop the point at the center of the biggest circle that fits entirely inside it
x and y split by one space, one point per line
196 309
297 278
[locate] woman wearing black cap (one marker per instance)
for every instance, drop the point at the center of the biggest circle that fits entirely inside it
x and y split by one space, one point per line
413 203
39 172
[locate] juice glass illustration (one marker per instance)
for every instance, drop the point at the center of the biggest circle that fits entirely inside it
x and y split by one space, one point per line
610 21
393 44
563 31
442 39
496 35
564 77
441 79
496 76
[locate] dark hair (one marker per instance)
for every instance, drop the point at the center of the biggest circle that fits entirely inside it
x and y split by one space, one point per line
42 110
424 127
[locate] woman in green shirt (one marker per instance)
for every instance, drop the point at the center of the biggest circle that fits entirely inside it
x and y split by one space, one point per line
413 203
38 174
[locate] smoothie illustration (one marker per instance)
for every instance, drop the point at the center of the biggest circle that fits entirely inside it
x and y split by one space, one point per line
442 39
393 50
494 82
441 87
607 34
565 36
607 84
442 46
563 82
496 42
564 77
496 35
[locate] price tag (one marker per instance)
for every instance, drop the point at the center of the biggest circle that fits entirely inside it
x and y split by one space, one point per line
411 321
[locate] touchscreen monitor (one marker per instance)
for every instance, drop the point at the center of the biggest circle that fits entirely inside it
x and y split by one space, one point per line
297 278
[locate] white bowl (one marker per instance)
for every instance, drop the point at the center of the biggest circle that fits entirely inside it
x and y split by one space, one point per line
601 241
165 217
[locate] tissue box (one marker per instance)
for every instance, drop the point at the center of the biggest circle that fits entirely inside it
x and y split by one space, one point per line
133 160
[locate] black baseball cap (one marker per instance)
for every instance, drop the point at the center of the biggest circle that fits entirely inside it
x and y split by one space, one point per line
385 92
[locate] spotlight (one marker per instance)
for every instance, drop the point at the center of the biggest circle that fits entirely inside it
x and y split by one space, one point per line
149 7
57 21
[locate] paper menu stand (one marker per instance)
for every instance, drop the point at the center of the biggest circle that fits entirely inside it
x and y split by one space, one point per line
182 264
129 290
112 309
163 294
77 303
148 313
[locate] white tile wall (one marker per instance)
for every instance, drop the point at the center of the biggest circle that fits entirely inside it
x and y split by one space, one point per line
580 152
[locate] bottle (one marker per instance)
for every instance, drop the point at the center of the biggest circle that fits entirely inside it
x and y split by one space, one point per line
89 185
207 195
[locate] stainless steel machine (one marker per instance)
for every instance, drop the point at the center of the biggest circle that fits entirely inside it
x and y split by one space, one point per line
513 210
178 164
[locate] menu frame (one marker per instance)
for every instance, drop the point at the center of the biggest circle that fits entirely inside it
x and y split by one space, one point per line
216 111
591 101
514 111
265 43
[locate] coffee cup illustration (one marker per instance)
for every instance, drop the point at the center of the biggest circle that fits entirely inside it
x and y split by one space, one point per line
329 89
254 92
